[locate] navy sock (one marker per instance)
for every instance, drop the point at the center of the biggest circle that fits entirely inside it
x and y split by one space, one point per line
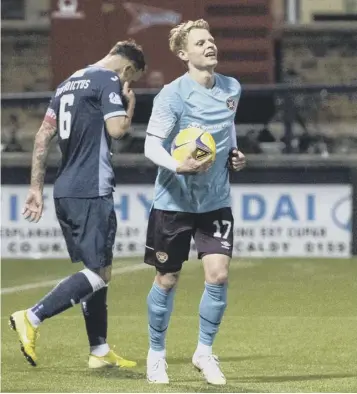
95 312
160 305
212 307
67 293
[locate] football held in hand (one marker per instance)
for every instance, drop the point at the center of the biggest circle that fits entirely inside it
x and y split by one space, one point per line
193 141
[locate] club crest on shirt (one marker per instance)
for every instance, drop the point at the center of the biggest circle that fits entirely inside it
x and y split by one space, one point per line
231 103
114 98
162 257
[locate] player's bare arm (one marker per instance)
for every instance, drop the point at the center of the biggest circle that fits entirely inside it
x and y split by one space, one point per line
34 203
40 153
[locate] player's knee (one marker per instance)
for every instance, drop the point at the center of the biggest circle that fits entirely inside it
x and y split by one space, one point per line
106 276
217 277
167 281
216 269
104 273
96 281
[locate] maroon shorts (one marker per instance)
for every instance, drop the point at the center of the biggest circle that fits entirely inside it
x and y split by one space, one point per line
169 236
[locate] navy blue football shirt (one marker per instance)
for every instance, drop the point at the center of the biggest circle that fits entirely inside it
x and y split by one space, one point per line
79 108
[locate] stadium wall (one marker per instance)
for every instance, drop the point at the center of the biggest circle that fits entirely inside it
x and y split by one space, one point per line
288 207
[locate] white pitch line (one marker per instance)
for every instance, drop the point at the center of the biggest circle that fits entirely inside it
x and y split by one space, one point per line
47 283
116 271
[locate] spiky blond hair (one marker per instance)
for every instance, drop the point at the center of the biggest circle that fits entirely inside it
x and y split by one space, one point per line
178 35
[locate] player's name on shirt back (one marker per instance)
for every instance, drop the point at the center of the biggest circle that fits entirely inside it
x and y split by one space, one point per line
73 85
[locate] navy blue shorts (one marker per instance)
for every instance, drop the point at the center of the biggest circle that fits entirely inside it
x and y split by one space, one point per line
89 226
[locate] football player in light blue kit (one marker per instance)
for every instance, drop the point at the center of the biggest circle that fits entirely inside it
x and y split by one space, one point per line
192 199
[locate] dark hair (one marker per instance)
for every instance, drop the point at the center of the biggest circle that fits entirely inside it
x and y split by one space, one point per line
132 51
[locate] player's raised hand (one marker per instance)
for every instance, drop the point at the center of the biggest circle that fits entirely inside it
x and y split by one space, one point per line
236 160
128 93
33 206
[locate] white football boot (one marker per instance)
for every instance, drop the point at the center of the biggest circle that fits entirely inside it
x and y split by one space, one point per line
156 370
209 366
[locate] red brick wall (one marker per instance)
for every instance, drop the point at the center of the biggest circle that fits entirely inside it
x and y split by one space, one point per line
243 34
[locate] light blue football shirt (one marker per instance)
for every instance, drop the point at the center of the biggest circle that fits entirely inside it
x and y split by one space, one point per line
185 103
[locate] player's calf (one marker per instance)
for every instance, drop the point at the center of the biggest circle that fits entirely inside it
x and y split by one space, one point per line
160 305
95 312
66 294
212 307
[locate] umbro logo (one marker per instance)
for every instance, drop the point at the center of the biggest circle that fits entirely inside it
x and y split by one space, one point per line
225 245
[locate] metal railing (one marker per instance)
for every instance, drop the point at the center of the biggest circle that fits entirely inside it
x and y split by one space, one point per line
275 119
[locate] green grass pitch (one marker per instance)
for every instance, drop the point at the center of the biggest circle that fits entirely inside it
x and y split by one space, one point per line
290 326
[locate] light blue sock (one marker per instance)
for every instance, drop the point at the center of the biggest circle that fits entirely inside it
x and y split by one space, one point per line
212 307
160 304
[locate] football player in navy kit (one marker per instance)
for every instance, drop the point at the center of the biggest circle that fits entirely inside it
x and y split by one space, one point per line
86 111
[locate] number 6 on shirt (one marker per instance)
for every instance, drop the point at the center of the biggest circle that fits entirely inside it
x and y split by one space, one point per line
65 116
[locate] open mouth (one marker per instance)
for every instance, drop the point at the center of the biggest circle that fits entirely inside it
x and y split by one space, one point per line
210 54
